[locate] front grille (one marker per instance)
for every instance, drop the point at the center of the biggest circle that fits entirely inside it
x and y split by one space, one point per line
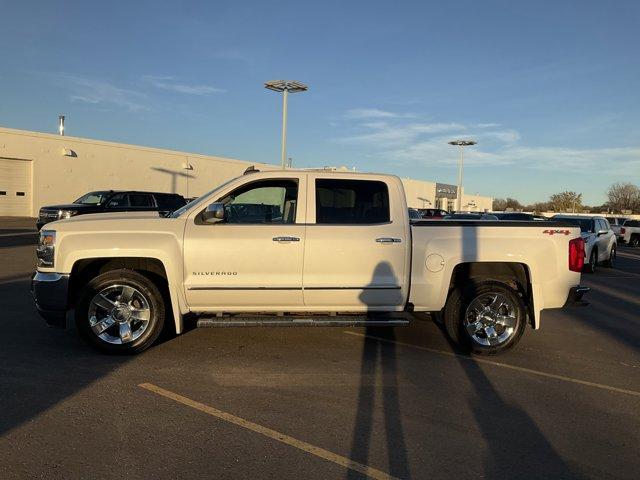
47 216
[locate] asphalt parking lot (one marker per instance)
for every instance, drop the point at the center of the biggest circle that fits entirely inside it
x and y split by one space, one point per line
322 402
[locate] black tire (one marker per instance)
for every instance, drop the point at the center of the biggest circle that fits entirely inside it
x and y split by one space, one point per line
634 241
611 261
145 288
456 310
591 267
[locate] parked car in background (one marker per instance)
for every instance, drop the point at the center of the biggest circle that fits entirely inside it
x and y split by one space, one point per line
519 216
616 223
513 215
470 216
600 244
414 215
109 201
433 213
630 233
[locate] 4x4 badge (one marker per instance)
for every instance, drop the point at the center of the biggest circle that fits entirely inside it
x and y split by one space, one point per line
559 232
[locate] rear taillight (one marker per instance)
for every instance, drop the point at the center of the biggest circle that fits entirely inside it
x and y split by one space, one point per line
622 230
576 254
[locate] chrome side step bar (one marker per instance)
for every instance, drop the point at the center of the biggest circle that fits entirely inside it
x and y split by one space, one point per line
304 321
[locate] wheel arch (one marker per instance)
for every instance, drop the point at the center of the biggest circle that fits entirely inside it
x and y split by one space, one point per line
513 274
85 269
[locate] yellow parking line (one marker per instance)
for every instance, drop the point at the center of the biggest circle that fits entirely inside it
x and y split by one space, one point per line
504 365
273 434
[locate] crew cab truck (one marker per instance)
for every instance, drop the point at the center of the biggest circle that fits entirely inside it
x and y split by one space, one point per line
302 247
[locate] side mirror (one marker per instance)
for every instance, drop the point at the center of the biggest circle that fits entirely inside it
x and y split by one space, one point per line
214 213
602 232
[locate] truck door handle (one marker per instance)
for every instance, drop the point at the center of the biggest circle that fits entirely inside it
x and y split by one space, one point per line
388 240
286 239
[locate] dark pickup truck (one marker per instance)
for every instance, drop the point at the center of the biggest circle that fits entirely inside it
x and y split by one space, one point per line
108 201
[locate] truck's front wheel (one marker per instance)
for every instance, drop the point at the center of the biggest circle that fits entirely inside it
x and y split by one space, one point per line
485 317
120 311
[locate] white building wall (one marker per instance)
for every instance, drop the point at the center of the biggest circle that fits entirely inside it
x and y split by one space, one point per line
64 168
97 165
476 203
419 194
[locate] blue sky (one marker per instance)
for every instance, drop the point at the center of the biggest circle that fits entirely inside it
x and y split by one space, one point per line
550 90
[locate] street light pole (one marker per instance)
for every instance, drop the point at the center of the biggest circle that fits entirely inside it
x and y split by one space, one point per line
285 86
461 144
283 157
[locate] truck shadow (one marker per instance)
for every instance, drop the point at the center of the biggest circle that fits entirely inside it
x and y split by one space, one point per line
517 447
19 240
40 366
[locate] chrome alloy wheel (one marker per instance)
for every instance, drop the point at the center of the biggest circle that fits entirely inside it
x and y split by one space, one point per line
490 319
119 314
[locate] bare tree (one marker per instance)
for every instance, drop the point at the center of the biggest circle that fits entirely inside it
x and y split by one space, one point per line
538 207
499 204
513 204
566 202
502 204
624 196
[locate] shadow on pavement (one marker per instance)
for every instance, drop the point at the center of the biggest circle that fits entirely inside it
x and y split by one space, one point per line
19 240
517 447
40 366
379 356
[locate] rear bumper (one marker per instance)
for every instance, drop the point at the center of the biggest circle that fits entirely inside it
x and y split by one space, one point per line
49 291
575 296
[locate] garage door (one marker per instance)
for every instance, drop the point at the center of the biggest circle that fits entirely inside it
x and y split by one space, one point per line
15 188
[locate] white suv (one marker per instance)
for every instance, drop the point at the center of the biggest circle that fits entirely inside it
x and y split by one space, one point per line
630 233
600 244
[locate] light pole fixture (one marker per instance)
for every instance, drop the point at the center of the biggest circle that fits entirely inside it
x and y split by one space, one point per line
61 125
461 144
286 87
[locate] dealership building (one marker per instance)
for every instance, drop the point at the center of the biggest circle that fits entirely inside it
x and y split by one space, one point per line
38 169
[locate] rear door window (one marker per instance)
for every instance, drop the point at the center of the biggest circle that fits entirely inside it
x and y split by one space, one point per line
119 200
351 202
141 200
169 202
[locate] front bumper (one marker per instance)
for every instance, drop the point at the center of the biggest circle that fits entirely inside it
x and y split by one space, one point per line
575 296
50 293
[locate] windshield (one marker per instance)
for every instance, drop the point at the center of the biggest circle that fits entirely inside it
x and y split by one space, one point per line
93 198
200 199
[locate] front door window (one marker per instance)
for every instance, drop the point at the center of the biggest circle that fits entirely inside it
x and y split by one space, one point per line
269 201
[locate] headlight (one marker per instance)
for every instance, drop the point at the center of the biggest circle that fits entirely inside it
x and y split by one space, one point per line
46 248
66 214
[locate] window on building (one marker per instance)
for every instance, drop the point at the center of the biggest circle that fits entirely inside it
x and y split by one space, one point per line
351 202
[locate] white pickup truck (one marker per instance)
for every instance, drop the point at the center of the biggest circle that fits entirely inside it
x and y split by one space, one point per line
302 247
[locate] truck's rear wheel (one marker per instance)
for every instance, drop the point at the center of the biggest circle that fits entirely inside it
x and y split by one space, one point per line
120 311
485 317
